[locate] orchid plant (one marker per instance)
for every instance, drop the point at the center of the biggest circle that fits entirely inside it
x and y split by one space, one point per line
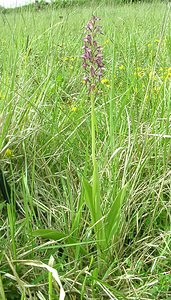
105 224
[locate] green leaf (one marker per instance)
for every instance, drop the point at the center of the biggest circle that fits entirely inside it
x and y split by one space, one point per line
113 216
89 198
59 78
93 202
96 193
56 235
2 205
49 234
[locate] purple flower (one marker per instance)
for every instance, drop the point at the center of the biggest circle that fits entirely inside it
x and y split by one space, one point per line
86 79
84 65
92 56
100 75
92 71
94 43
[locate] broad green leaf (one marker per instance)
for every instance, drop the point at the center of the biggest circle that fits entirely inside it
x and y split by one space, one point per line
93 202
113 216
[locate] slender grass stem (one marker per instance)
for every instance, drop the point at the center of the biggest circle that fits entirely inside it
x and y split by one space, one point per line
50 285
2 293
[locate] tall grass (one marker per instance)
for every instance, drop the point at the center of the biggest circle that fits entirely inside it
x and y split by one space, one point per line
48 241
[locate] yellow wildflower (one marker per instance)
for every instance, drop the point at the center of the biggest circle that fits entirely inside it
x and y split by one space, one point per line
106 42
72 58
157 41
65 58
74 108
8 153
121 67
140 74
149 45
105 81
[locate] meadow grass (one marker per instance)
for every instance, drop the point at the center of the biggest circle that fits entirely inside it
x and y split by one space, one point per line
49 244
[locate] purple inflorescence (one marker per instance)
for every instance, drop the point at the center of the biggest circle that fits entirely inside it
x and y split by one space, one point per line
92 56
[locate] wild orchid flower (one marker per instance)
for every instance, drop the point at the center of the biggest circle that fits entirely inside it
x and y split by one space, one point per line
92 56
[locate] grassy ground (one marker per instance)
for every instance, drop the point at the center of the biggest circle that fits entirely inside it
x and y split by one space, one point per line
45 153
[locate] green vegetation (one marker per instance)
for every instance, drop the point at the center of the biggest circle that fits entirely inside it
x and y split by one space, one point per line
50 233
56 4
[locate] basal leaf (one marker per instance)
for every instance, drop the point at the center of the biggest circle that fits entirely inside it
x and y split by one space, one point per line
113 216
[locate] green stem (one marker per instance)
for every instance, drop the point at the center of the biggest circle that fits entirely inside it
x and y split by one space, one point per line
95 181
93 135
